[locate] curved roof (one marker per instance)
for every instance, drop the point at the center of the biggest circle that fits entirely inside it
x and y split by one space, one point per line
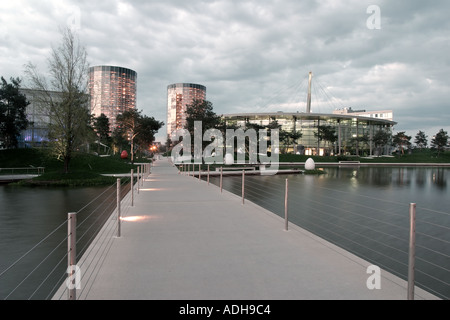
307 116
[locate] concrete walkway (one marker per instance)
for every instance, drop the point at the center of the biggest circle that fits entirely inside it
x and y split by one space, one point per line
195 243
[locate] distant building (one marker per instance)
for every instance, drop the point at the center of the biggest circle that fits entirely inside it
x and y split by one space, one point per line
37 114
179 96
379 114
112 91
351 131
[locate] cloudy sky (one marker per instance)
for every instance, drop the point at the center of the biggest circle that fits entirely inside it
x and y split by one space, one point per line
255 56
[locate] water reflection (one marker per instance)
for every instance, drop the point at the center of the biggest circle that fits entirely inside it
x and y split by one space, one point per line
365 210
27 216
420 177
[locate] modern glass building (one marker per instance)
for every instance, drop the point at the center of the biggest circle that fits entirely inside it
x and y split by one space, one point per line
179 96
353 134
36 135
112 91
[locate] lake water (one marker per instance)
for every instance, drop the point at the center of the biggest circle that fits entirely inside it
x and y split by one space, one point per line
365 210
33 233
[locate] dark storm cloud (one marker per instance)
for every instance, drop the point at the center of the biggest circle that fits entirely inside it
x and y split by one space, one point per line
256 55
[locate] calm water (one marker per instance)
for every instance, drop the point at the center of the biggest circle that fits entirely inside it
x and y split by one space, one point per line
27 216
366 211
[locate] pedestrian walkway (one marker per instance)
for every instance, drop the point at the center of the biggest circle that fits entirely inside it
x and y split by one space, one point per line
189 241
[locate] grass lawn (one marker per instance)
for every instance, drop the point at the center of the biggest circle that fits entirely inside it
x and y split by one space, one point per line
85 169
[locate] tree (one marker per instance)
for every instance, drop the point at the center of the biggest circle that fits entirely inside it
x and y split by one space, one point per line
401 140
118 140
201 110
421 140
148 127
381 139
325 133
13 118
101 128
440 141
129 122
138 128
290 137
64 100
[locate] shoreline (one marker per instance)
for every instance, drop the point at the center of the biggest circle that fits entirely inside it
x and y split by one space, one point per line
7 179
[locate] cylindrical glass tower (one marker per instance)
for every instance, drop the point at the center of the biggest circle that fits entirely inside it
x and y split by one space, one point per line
179 96
112 91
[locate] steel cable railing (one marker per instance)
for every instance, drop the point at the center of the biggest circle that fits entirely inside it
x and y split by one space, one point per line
40 283
96 230
104 241
360 224
26 254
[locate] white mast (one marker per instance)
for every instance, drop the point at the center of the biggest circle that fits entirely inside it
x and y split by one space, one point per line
308 102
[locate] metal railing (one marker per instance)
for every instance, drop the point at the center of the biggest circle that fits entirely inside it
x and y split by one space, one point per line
390 241
22 170
101 223
386 237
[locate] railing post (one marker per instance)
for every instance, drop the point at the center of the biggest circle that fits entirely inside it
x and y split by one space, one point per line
286 192
208 175
72 256
137 181
412 250
199 172
132 187
118 208
243 186
221 178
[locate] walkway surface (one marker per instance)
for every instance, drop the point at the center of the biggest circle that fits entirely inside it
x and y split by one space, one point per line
196 243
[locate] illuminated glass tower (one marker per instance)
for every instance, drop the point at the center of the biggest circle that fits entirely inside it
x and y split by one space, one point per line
179 96
112 91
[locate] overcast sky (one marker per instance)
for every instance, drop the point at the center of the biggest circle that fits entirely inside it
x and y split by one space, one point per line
255 56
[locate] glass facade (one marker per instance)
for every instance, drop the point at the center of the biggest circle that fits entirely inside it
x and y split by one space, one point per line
36 135
179 96
112 91
353 133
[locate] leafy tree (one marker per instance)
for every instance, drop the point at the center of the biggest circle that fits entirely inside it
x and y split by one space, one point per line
381 139
148 127
290 137
138 128
421 140
325 133
440 140
101 128
13 117
401 140
201 110
118 140
64 100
